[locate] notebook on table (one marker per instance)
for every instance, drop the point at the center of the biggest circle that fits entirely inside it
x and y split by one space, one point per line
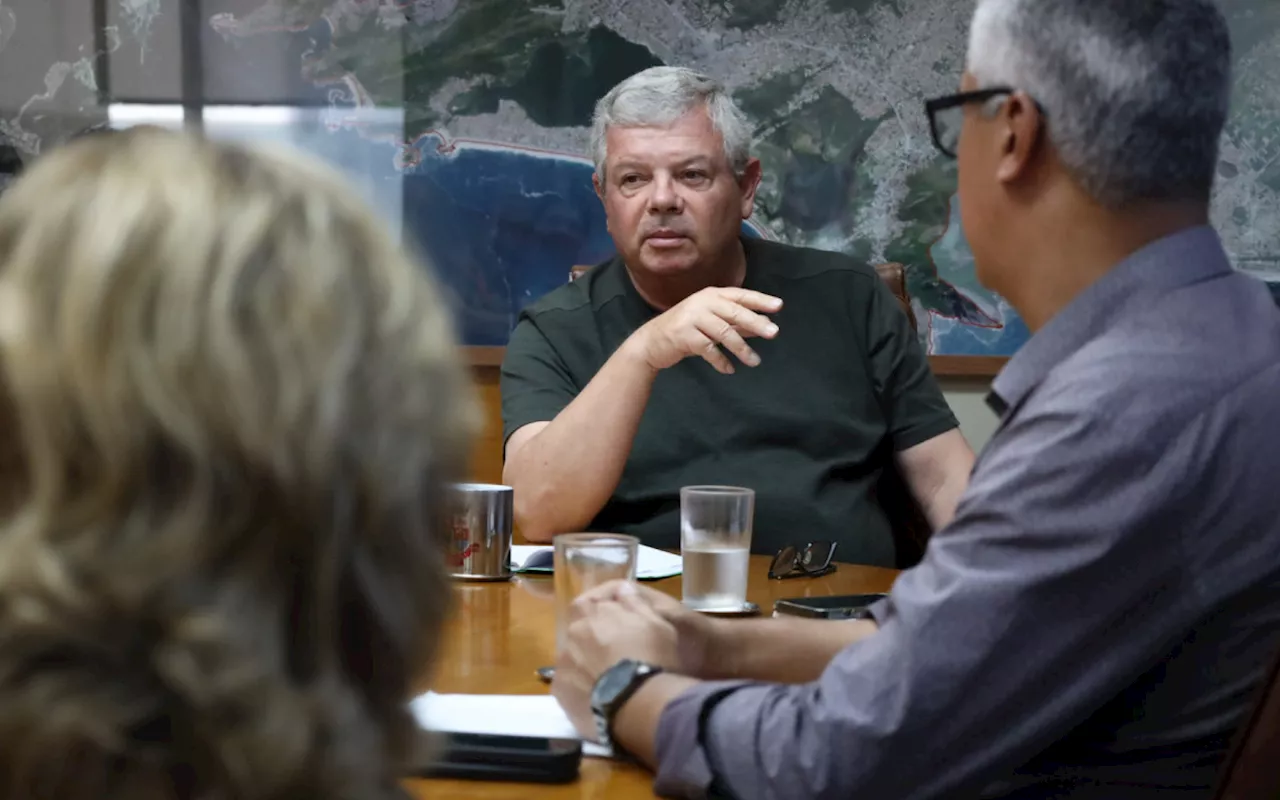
651 563
499 714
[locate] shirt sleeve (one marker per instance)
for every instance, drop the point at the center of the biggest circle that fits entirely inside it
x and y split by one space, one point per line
1060 582
913 404
535 382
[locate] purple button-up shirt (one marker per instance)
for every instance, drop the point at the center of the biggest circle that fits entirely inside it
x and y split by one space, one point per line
1094 622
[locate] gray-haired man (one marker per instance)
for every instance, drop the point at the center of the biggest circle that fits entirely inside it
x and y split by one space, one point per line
607 416
1098 615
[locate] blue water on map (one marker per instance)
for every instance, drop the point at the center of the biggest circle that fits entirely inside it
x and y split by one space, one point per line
502 228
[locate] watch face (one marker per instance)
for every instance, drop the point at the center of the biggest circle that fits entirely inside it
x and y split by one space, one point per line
612 683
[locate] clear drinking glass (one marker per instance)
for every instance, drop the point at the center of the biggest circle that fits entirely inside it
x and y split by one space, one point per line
715 544
583 561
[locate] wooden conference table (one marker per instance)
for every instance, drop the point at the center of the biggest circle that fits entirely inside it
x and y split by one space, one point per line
502 632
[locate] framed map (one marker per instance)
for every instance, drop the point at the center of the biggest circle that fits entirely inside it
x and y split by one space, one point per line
466 122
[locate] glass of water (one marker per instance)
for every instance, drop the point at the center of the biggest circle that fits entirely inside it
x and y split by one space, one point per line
715 544
583 561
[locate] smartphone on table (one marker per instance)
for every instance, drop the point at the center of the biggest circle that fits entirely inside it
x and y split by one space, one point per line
494 757
847 606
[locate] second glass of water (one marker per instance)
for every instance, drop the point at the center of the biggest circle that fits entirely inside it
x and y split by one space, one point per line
715 544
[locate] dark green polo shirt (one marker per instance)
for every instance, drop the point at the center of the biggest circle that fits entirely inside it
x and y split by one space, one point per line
842 386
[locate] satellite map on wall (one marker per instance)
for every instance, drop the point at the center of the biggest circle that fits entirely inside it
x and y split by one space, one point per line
467 121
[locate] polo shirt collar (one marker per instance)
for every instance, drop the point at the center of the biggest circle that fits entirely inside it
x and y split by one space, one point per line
1188 256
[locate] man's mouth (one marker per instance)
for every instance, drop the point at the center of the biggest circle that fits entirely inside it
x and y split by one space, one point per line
666 238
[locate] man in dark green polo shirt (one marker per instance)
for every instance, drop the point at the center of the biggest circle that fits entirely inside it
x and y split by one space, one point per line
605 414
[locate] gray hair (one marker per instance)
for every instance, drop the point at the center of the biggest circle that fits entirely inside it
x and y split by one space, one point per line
659 96
1135 94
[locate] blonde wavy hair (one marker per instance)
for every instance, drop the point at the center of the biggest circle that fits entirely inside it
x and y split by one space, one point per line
228 405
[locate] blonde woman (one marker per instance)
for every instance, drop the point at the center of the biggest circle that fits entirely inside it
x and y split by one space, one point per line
228 402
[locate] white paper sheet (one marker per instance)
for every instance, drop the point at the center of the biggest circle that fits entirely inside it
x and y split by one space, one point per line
503 714
651 563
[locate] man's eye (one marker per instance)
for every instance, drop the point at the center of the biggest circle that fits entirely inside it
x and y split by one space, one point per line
694 175
630 179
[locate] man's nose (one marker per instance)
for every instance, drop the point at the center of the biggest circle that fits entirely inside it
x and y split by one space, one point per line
665 196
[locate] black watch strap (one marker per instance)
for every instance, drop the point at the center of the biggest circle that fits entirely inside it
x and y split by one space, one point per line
635 674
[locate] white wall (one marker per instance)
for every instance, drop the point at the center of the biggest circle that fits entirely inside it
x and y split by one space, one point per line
967 398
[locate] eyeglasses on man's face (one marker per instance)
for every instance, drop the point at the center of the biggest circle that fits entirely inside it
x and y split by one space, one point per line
813 560
946 115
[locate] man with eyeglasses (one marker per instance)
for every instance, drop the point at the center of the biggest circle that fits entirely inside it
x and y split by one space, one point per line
1097 617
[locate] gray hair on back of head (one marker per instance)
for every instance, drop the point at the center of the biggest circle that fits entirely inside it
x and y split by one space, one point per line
657 97
1135 95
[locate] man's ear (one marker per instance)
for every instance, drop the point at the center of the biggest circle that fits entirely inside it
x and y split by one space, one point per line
748 184
600 190
1023 129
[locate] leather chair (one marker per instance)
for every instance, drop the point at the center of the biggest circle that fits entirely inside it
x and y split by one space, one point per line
911 529
893 274
1250 771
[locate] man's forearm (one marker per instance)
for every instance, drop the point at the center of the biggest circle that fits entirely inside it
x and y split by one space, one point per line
787 650
565 474
938 471
636 725
771 651
940 507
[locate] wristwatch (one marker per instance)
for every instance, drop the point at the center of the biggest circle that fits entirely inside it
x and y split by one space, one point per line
613 688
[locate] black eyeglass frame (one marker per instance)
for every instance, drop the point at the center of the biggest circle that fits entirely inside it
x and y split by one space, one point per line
800 562
947 102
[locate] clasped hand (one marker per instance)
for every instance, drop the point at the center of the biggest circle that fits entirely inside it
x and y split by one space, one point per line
620 620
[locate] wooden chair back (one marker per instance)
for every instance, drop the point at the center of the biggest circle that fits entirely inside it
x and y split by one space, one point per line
893 274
